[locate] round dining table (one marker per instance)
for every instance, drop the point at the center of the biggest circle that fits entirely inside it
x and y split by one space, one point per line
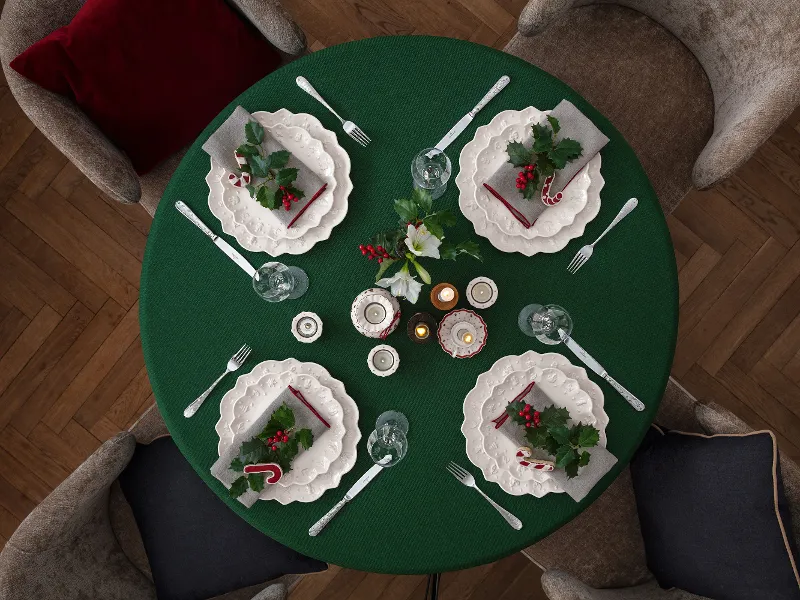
197 307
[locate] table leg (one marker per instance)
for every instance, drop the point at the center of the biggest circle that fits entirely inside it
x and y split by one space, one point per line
432 590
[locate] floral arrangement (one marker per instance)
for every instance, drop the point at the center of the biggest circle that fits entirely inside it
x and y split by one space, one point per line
548 430
420 234
269 454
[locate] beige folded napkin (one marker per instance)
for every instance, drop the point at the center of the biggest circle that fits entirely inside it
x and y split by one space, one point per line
502 184
305 416
222 145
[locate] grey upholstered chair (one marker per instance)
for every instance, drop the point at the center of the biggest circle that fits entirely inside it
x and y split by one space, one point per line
24 22
82 542
695 86
602 548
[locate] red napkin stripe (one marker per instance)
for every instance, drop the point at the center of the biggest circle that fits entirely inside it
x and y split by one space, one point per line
517 215
307 204
385 333
302 399
504 417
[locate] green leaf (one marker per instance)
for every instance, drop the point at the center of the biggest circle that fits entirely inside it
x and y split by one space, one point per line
258 165
238 487
248 150
256 481
554 124
296 191
252 189
406 209
447 250
584 458
552 445
284 416
571 470
518 155
565 151
422 198
267 197
544 166
513 408
384 266
560 434
305 438
552 416
530 191
278 159
237 465
538 437
253 451
470 249
586 435
423 274
254 132
565 456
286 176
542 138
432 224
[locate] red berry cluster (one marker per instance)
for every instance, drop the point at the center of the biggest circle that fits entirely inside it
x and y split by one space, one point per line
287 198
533 419
524 176
371 252
280 436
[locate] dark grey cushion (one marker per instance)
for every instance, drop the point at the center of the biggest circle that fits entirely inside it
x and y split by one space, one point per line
713 514
197 546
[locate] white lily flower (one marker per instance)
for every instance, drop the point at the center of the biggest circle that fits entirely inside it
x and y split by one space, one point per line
422 242
403 284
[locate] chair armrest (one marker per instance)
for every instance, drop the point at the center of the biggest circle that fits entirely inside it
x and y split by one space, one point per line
61 517
274 23
559 585
538 14
276 591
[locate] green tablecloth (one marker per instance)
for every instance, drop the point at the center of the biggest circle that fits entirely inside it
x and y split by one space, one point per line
197 307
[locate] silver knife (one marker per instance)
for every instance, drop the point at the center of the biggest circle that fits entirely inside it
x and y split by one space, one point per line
229 251
351 493
467 118
595 366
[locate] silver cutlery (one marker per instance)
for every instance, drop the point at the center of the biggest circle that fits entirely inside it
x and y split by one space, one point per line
351 493
350 128
226 248
468 480
236 361
467 118
595 366
585 253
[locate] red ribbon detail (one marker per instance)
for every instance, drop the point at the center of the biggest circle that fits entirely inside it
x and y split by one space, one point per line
517 215
504 417
302 399
307 204
385 333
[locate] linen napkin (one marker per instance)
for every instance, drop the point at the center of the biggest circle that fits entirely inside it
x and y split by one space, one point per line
574 124
578 487
222 145
305 416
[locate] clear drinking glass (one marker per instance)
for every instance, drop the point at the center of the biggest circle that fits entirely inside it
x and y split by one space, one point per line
543 322
275 282
431 172
389 438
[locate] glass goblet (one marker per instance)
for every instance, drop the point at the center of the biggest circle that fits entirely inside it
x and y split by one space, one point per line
543 322
431 171
276 282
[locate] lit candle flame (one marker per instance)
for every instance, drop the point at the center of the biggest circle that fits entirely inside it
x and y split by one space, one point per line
421 331
467 337
447 294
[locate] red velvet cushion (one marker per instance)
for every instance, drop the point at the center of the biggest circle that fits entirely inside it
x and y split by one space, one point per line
151 74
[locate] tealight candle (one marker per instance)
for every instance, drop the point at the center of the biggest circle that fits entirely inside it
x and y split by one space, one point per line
420 327
463 334
374 313
444 296
383 360
467 338
481 292
447 294
307 327
422 331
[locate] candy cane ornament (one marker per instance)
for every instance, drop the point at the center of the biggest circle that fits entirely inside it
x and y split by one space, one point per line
239 180
547 199
524 458
272 471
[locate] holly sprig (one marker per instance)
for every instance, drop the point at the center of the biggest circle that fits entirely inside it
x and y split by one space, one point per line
548 430
543 158
277 443
276 187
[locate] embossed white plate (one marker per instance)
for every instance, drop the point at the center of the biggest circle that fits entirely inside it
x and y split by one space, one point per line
333 217
314 489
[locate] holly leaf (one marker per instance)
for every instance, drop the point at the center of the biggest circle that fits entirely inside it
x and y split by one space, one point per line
237 465
518 155
305 438
530 190
422 198
446 218
254 132
256 481
252 189
566 455
554 124
258 165
538 437
447 250
513 408
470 249
542 138
565 151
384 266
285 176
571 470
267 197
278 160
238 487
252 452
544 166
433 225
560 433
284 415
296 191
584 436
552 416
406 209
552 445
248 150
584 458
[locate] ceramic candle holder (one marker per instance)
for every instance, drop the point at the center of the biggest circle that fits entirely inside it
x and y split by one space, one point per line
375 313
307 327
421 328
444 296
462 333
383 360
481 292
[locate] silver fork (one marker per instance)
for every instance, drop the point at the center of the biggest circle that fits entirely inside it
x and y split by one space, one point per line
350 128
236 361
468 480
585 253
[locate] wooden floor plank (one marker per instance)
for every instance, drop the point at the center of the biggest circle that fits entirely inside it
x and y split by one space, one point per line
20 295
8 523
758 176
777 384
129 399
80 439
104 429
14 501
683 238
43 173
489 13
26 345
55 447
68 179
696 270
311 586
22 478
24 160
732 218
713 233
11 327
18 446
780 165
133 213
792 369
15 129
786 346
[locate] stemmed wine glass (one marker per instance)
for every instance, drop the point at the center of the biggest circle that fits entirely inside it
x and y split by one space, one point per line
543 322
276 282
388 439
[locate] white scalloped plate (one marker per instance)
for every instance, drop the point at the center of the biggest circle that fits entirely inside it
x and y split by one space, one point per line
331 479
471 209
330 220
483 388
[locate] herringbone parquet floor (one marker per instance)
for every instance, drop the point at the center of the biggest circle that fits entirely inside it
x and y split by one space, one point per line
71 367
